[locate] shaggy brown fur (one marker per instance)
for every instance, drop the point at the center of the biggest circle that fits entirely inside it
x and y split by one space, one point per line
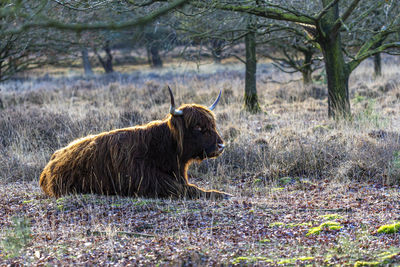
148 161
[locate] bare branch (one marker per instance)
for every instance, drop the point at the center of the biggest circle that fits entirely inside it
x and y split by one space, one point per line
239 58
358 59
365 14
325 10
338 23
282 68
274 81
46 22
277 12
95 6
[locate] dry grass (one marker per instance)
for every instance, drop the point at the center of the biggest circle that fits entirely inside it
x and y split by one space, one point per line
291 155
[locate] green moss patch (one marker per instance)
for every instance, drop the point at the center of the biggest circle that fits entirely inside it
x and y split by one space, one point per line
294 260
275 224
277 189
290 225
252 259
366 263
389 228
329 225
299 224
285 180
385 258
330 217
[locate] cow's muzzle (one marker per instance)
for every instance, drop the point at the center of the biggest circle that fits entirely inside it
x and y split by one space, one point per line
217 150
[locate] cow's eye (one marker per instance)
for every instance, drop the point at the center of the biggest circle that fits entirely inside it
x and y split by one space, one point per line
197 128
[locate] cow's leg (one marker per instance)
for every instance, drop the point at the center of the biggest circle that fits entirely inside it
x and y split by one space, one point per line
192 191
170 187
173 189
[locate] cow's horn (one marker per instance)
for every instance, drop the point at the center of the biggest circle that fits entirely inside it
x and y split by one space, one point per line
172 110
216 101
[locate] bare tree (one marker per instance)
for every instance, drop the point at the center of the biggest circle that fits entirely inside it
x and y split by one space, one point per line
293 52
250 91
87 66
326 23
20 19
218 37
43 17
106 62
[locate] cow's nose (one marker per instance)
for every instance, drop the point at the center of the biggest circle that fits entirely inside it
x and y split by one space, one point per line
221 147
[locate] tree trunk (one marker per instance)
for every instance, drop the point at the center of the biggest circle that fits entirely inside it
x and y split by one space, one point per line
148 55
108 67
85 61
216 46
307 79
377 57
154 55
250 91
107 63
337 71
306 70
337 75
378 65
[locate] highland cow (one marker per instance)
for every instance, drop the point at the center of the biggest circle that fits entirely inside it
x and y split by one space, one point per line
143 161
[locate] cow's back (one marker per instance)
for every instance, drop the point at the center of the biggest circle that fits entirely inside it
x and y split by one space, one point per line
109 163
68 166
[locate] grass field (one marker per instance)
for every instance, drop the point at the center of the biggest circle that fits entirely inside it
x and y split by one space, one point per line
307 190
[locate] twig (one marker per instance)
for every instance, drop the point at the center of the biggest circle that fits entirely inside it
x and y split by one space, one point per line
274 81
130 234
328 210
